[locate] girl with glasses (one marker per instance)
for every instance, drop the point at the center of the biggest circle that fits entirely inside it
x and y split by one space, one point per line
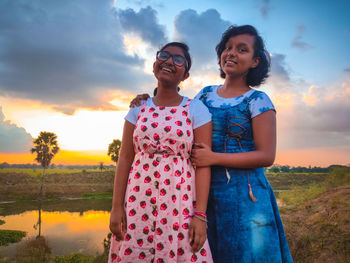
244 224
159 207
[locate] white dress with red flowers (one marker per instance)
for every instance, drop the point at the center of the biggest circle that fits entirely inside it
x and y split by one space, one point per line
161 190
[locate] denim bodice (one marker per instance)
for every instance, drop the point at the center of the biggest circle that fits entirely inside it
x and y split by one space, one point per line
232 127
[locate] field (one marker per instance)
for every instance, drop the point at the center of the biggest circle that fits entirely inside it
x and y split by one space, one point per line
315 206
17 183
316 218
24 184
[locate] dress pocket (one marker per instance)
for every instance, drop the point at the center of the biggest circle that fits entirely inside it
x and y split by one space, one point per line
257 178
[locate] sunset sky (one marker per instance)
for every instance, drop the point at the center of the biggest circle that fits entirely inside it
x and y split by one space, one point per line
71 67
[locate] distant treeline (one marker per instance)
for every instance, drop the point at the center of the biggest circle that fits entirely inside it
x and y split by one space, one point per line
300 169
53 166
273 169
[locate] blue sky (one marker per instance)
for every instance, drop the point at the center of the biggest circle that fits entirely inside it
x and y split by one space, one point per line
63 59
313 34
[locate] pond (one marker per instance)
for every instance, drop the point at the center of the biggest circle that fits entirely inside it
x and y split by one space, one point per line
70 226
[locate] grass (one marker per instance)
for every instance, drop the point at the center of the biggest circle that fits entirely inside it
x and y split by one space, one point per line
10 236
22 186
298 188
299 194
316 225
74 258
97 196
285 181
316 219
339 177
36 250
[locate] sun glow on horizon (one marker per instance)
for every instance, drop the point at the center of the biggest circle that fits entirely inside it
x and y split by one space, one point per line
85 130
63 157
81 131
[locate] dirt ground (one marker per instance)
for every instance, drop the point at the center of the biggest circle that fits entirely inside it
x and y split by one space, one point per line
319 230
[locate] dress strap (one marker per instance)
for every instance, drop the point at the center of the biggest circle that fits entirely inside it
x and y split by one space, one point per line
187 103
143 104
142 109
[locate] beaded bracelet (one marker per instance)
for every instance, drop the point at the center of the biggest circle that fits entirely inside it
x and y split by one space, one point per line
201 218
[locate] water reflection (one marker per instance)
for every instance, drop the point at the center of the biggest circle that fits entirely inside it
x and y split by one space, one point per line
68 226
38 224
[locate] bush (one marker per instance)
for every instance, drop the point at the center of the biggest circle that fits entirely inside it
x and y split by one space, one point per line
33 251
339 176
10 236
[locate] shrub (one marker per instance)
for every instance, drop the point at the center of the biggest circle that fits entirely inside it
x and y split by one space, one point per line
10 236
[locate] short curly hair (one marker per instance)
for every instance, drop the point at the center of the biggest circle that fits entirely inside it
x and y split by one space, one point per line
257 75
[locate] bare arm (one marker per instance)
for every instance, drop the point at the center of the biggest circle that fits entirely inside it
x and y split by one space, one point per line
126 157
198 228
264 132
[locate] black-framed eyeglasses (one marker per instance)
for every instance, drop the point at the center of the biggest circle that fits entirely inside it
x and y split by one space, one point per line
177 59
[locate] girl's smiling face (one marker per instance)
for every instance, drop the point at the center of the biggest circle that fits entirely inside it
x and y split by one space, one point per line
167 71
238 55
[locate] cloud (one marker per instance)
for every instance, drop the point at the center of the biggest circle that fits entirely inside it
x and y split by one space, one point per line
329 109
202 32
279 67
309 115
154 3
65 53
280 81
265 8
297 42
13 139
145 24
320 121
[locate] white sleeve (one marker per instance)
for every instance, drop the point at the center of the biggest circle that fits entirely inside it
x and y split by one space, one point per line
260 104
200 114
132 115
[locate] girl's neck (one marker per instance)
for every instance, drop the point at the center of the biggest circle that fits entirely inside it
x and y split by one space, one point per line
167 96
233 87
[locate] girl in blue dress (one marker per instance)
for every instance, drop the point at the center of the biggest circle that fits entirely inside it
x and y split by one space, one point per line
244 224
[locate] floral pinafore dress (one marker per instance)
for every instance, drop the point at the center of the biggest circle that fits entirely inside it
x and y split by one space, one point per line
161 190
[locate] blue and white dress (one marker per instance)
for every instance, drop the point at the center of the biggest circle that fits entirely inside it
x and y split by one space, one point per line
239 229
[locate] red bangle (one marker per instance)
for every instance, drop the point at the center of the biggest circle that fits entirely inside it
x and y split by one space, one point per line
202 214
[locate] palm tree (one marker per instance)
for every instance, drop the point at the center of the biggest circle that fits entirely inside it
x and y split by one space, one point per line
45 147
113 150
